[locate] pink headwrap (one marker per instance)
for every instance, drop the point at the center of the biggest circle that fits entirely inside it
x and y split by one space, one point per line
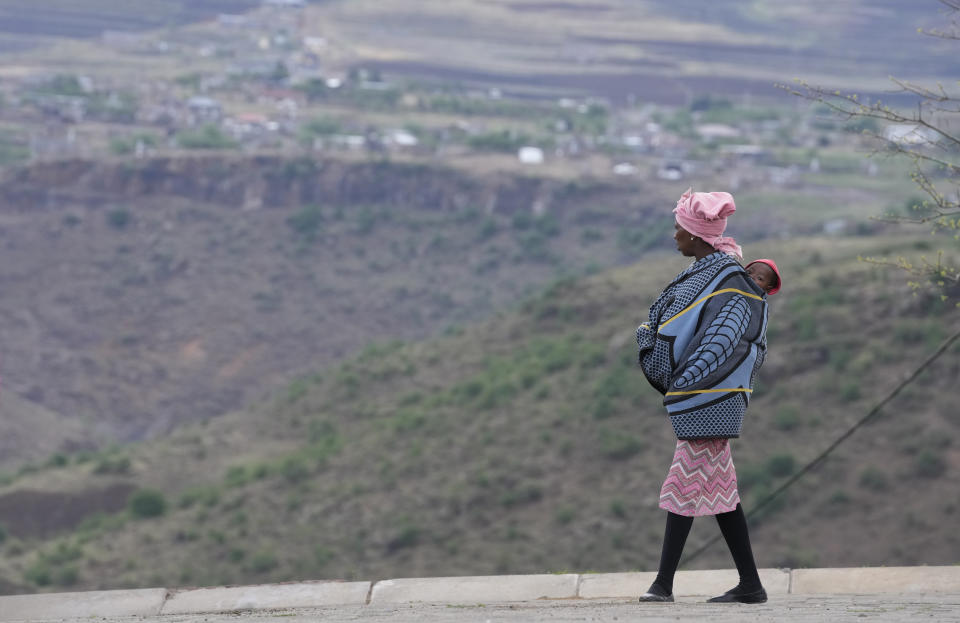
705 215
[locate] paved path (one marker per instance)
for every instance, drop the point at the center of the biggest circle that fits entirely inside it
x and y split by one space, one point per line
790 608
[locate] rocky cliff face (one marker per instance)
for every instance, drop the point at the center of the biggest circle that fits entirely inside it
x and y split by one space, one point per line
268 181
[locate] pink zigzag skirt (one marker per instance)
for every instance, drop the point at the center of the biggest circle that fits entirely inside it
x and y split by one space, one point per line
702 479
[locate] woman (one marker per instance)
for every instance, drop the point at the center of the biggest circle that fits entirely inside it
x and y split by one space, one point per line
701 349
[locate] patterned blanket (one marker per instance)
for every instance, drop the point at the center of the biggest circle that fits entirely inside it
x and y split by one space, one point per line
703 345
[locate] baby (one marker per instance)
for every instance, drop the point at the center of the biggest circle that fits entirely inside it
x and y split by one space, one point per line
765 274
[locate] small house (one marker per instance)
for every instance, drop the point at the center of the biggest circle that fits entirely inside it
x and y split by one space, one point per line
530 155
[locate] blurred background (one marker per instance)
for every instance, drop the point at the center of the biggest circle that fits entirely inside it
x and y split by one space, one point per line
348 288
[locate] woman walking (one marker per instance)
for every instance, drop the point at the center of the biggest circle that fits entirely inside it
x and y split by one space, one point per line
701 349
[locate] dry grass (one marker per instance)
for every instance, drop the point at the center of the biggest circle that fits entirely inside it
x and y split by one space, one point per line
529 443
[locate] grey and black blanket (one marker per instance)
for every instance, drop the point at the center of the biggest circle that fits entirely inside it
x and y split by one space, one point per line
703 345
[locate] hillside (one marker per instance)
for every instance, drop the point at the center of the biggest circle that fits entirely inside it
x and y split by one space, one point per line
143 294
526 443
659 51
25 26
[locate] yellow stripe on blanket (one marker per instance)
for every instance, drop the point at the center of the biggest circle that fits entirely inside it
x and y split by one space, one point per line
710 391
698 302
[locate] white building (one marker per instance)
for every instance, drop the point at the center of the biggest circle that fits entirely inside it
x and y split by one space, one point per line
909 134
530 155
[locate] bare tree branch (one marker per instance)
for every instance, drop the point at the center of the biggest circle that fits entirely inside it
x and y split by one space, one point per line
953 8
927 138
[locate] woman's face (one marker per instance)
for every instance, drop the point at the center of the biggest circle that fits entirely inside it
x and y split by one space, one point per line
685 240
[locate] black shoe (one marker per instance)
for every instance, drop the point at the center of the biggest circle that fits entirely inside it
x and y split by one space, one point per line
740 596
656 593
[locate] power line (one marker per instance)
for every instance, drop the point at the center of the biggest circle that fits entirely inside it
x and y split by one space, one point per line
833 446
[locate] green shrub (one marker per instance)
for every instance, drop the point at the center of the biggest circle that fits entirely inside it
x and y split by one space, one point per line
29 468
603 408
488 229
786 418
366 221
322 555
51 566
112 465
555 355
61 554
616 383
799 559
127 145
522 220
469 390
100 522
14 147
839 498
563 516
874 479
206 137
548 225
3 534
39 574
497 395
119 218
750 476
709 102
760 492
839 358
321 126
781 465
503 141
320 431
263 561
208 496
260 471
66 576
618 508
68 85
58 460
147 503
618 446
294 469
636 240
307 222
850 391
237 475
408 535
592 355
589 236
530 375
408 420
534 247
521 494
121 146
806 327
929 464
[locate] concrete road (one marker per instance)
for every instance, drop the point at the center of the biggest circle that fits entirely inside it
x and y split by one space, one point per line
791 608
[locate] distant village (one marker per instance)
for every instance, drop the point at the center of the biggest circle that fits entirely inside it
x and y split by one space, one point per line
283 88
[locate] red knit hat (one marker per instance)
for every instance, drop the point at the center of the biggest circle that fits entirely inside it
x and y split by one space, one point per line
776 271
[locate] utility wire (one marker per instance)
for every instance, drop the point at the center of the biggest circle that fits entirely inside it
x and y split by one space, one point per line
833 446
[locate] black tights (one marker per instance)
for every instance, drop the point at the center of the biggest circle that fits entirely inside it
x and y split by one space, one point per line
733 526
